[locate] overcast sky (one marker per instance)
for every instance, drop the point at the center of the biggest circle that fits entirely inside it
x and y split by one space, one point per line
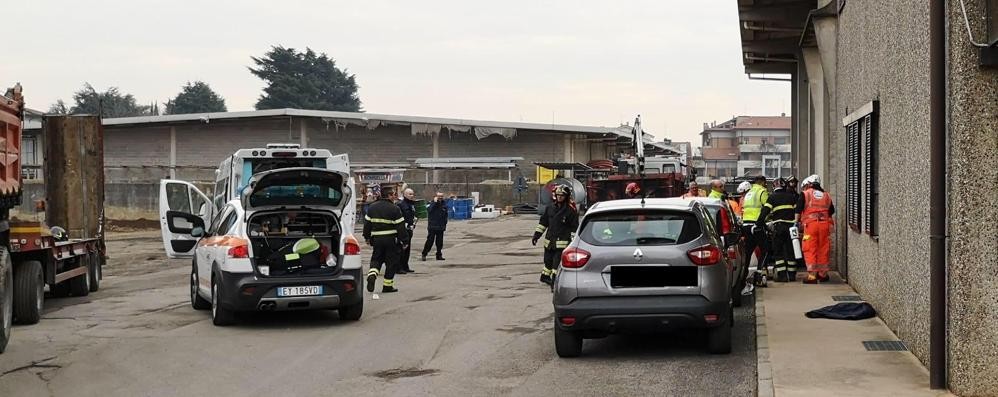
675 62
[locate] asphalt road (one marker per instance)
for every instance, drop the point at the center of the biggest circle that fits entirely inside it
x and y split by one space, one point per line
478 323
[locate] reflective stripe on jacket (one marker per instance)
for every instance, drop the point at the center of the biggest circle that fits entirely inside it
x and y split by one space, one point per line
384 218
754 200
559 223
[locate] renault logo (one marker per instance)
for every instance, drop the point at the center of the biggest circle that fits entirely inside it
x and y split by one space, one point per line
638 254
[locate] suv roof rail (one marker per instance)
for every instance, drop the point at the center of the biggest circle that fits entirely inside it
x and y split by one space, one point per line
283 146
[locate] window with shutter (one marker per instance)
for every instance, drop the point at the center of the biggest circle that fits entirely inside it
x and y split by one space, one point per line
852 175
862 154
871 155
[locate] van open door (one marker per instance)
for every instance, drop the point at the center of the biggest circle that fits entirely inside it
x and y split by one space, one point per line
181 197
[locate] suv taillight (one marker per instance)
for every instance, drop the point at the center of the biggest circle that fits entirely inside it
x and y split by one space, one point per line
705 256
351 246
574 258
239 251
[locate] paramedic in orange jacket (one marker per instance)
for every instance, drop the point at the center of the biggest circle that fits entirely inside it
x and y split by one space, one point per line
814 211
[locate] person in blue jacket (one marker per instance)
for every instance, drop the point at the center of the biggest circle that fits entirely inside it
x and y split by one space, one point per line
436 224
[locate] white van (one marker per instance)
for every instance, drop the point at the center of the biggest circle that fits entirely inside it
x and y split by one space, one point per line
233 176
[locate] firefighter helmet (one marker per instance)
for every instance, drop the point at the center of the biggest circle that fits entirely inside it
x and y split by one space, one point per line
563 190
811 179
633 188
744 187
59 234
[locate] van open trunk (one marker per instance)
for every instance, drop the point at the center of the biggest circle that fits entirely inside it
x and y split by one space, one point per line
274 234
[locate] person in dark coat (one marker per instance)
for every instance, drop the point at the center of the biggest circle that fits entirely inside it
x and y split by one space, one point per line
559 222
779 210
408 207
435 226
384 229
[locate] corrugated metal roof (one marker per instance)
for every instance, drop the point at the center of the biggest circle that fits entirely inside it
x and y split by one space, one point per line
365 117
620 132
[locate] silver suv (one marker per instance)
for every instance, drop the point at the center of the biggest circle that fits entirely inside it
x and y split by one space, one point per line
645 267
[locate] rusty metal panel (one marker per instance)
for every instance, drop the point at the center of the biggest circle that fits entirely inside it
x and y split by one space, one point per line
74 177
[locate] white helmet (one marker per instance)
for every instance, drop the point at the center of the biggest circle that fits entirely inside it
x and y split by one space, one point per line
811 179
744 187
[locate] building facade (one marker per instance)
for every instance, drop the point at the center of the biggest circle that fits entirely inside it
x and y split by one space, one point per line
140 151
746 146
860 82
190 147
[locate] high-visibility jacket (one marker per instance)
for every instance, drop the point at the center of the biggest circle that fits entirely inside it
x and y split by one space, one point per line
384 218
817 205
714 194
755 198
559 221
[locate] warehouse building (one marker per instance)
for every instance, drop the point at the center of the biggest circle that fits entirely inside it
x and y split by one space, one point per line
455 156
190 146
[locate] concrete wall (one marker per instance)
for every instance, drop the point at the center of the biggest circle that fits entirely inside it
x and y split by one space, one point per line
141 153
883 54
973 211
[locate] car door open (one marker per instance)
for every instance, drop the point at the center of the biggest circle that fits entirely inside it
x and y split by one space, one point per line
182 209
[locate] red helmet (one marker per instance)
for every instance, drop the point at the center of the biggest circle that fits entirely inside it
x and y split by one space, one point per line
632 188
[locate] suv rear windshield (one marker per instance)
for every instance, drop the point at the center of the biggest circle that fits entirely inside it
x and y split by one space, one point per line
640 227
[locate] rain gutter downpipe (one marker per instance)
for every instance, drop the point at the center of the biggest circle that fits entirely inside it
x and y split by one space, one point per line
937 194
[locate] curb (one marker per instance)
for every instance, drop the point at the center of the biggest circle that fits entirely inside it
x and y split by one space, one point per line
763 367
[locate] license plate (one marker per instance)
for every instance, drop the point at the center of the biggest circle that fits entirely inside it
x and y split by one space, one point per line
309 290
653 276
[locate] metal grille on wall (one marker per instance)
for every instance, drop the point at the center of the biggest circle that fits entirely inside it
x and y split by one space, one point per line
852 175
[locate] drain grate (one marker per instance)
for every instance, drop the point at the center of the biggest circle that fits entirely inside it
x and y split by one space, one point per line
884 346
847 298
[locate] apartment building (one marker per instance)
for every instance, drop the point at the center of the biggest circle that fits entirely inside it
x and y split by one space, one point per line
745 146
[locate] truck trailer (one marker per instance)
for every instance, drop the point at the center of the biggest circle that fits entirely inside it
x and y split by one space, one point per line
31 257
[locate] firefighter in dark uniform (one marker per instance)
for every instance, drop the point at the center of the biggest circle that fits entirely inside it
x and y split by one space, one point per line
408 208
384 229
779 209
559 221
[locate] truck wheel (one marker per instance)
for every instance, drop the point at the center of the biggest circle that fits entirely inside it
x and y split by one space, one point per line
197 302
95 274
352 312
80 285
220 316
567 343
29 292
6 299
719 338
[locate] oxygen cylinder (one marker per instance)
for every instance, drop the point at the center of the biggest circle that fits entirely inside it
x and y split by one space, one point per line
795 240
